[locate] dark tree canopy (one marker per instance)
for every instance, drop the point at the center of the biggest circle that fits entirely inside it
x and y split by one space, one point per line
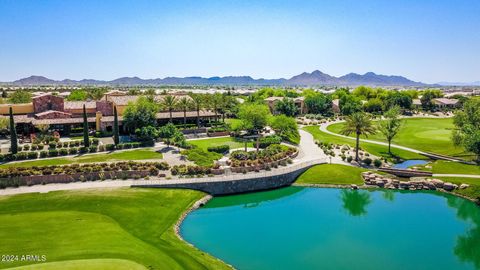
287 107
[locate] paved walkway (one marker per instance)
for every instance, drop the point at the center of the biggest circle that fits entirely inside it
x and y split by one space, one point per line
308 149
456 175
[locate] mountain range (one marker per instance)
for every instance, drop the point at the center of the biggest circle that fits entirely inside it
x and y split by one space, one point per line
305 79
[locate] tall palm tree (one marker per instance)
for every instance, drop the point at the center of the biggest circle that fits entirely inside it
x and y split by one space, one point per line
359 123
184 104
198 103
216 100
169 102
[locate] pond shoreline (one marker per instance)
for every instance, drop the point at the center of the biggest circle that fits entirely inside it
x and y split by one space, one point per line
348 186
176 228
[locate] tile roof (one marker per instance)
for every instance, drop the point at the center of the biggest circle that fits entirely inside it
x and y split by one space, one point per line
75 105
446 101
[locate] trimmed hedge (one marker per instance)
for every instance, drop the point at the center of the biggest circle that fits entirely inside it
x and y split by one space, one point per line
221 149
264 142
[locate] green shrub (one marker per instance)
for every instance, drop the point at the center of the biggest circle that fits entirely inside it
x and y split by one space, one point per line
239 154
221 149
92 148
43 154
110 147
63 152
32 155
53 153
26 147
268 140
73 151
349 159
367 161
377 163
20 156
52 145
83 150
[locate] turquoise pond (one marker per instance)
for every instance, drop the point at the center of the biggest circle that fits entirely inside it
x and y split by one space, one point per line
320 228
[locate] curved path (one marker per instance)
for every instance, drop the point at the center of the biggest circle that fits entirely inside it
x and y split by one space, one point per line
324 126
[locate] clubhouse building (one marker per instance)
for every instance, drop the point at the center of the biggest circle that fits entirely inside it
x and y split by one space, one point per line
61 115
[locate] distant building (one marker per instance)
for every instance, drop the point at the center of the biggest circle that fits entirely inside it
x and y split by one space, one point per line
336 105
299 102
416 103
62 115
446 102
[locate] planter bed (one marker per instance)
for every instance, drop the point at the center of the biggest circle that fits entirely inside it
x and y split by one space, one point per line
13 177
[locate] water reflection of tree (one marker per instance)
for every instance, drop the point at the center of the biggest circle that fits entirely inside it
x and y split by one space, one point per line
355 201
388 195
467 248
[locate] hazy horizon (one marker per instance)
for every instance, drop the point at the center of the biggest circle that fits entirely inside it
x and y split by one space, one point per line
427 41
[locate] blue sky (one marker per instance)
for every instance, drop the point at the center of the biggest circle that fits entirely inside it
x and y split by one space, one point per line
425 40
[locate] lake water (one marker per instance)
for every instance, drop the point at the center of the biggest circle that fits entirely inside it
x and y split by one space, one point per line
319 228
409 163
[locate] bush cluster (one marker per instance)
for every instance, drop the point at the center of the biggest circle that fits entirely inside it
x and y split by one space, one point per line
268 140
190 170
153 167
221 149
272 153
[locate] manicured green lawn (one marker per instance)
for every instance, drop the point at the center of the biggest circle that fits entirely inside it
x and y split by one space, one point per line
334 174
448 167
425 134
138 154
205 143
377 150
201 157
131 224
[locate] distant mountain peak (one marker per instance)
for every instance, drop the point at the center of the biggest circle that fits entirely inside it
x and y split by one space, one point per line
316 77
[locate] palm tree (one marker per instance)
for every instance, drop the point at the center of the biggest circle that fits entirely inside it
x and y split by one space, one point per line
169 102
198 102
184 104
360 124
216 100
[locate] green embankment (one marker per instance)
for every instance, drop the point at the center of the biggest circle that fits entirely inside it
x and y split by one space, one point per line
334 174
124 223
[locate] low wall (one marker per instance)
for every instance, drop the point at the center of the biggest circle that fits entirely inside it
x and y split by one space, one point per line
68 178
241 183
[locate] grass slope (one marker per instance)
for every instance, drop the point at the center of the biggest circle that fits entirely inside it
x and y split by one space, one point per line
425 134
126 223
334 174
377 150
473 191
138 154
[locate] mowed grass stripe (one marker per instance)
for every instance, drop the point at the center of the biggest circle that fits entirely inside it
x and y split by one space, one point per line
122 223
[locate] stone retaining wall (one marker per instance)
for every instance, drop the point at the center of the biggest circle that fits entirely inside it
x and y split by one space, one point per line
249 183
64 178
